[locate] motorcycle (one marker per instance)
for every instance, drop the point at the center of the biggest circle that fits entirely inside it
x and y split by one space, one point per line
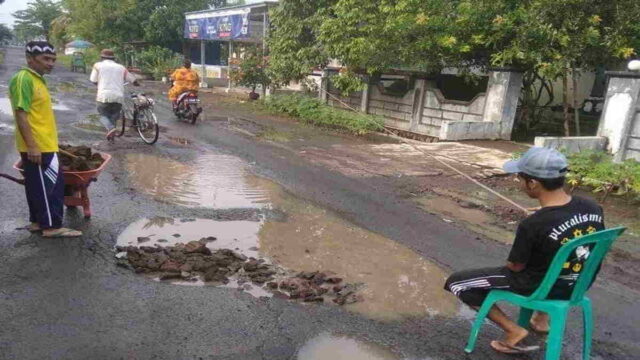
188 107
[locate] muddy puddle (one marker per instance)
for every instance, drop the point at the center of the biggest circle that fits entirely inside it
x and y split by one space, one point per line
328 346
393 281
336 347
164 231
397 281
476 219
217 181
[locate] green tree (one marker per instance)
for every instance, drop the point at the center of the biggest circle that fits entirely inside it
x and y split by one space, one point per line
5 34
59 33
294 49
547 38
35 21
113 22
165 25
105 22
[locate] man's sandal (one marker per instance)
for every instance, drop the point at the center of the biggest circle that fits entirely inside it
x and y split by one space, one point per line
502 347
536 329
62 233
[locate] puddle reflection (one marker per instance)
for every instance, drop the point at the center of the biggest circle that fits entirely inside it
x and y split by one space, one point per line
332 347
217 181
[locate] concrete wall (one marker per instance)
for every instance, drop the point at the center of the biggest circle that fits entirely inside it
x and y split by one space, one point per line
424 109
397 110
438 110
620 120
572 144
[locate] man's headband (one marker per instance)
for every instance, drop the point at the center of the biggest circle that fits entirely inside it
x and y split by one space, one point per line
40 47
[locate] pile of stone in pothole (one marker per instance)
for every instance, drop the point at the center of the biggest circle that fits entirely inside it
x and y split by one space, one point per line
194 260
85 159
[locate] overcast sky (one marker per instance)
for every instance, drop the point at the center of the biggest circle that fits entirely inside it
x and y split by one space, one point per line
9 7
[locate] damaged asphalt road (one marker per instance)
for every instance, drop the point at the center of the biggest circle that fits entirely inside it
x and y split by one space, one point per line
67 299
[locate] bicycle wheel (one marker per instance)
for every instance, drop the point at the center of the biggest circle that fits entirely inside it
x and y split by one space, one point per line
147 125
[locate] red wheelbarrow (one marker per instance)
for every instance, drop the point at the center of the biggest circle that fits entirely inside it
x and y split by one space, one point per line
76 184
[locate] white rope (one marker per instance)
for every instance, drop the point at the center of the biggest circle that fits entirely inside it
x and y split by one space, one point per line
437 159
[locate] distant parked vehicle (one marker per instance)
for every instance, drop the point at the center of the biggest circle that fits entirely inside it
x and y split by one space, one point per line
78 63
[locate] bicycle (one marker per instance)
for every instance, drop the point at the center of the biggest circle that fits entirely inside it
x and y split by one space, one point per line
139 109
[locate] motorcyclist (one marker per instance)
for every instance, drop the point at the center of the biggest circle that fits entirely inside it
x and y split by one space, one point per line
184 80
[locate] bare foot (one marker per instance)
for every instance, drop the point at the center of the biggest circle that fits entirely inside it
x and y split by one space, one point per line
510 343
540 322
34 227
514 337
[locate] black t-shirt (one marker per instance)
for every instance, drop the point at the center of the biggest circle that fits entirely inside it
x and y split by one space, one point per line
539 237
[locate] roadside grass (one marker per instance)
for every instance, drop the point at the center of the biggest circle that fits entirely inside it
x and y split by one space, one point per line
273 134
311 111
597 170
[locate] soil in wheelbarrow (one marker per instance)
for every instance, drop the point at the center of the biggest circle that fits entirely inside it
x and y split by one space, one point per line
85 158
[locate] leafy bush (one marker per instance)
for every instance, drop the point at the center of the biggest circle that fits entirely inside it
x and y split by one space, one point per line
251 72
158 61
312 111
347 82
596 170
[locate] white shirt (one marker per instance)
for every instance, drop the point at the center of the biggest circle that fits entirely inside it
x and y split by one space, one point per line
110 77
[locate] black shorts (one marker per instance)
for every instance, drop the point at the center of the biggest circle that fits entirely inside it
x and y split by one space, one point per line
473 286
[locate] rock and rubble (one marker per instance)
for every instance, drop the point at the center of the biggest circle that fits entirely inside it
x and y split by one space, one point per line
83 159
193 260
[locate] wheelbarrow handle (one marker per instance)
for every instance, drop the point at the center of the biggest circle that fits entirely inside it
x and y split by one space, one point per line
19 181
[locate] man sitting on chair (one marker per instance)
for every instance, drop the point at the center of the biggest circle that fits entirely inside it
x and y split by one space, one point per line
561 217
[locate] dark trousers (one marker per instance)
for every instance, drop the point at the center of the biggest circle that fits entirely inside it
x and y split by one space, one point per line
473 286
109 114
44 187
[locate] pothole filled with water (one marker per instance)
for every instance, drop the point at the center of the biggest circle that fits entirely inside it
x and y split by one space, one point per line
217 181
387 281
333 347
164 232
328 346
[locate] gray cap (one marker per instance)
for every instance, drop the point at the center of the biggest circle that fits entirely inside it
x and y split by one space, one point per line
539 162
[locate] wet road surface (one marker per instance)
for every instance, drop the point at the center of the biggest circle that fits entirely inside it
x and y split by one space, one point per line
66 299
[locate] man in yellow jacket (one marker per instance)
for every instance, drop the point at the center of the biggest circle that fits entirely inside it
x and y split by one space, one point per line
184 79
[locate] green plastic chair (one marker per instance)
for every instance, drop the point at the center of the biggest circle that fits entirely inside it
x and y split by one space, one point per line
557 309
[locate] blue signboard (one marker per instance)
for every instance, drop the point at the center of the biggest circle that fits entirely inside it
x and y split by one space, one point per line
228 27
